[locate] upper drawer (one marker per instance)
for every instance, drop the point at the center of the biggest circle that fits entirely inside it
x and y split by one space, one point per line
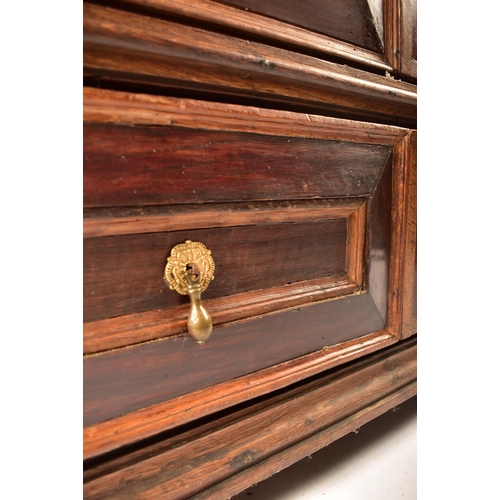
302 215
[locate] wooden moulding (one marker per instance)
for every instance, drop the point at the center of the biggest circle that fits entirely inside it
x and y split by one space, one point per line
128 47
261 26
409 301
134 426
366 325
283 459
106 106
125 380
402 298
408 37
218 456
134 328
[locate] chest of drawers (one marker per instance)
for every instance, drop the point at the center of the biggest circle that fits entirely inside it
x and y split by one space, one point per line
203 124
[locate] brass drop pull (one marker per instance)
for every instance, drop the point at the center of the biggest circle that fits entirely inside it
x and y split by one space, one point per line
189 270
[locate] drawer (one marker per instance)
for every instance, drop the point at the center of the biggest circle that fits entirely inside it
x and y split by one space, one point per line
302 215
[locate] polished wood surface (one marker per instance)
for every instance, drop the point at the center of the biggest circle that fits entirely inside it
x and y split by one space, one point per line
129 48
279 461
349 20
133 109
404 156
188 462
146 422
288 147
115 221
125 380
254 26
126 166
129 329
409 38
124 274
117 264
409 313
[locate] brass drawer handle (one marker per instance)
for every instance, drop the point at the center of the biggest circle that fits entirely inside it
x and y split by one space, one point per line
189 270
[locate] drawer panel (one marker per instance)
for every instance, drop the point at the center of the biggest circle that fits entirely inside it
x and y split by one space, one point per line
124 274
301 214
143 375
127 166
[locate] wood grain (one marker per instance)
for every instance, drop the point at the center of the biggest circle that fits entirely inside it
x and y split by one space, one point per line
125 380
400 192
409 301
130 329
408 38
134 328
132 427
170 165
348 20
356 225
260 27
124 274
128 47
161 218
283 459
187 464
107 106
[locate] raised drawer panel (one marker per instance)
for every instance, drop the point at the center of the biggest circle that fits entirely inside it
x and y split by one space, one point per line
123 274
126 166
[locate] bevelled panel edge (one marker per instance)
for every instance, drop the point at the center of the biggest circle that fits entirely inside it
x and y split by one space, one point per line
132 427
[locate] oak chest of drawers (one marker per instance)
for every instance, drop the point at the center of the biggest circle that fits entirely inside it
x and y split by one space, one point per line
287 149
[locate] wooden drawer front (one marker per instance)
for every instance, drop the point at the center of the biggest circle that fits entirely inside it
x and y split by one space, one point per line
349 20
301 221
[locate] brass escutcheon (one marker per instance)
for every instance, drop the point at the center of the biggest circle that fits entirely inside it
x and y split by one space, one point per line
189 270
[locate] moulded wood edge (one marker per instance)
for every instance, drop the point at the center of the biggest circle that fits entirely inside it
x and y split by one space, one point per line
276 463
331 399
122 331
136 328
253 23
146 422
108 106
398 234
107 29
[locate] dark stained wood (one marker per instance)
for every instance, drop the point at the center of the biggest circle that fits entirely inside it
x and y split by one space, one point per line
106 106
409 314
160 414
124 274
408 38
132 427
401 36
128 455
125 380
349 20
262 27
378 245
135 328
158 165
121 46
187 464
